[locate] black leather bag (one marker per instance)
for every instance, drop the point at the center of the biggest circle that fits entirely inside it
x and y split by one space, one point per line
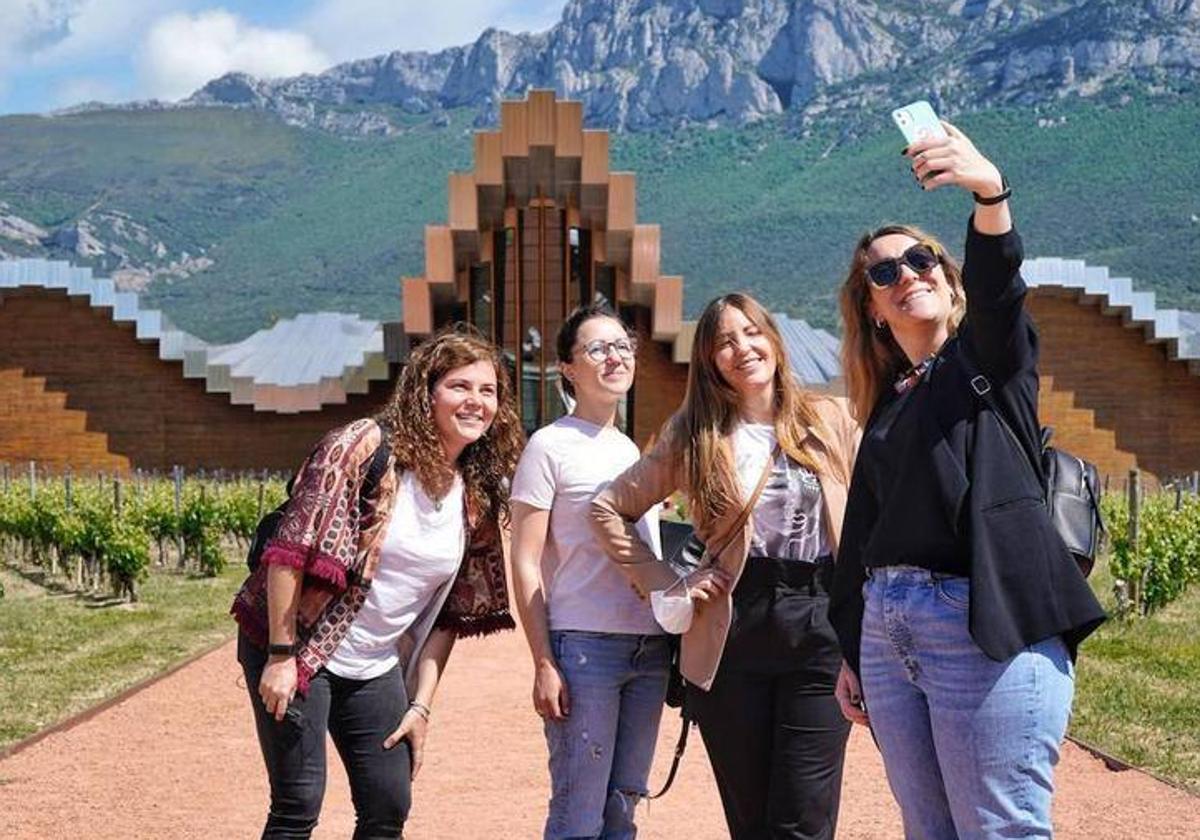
1071 486
684 551
1072 500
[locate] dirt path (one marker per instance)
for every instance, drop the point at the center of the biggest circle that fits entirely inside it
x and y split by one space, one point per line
179 760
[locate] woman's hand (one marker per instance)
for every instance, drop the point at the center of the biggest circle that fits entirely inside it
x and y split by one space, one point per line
551 698
938 161
707 584
849 696
413 726
277 686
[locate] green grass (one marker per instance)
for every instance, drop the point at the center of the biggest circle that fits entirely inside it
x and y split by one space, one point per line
1135 695
302 221
60 656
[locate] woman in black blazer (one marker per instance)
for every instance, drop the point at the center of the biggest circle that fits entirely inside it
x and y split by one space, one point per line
958 607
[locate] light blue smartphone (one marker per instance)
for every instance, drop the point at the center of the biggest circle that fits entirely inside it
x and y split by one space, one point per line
917 121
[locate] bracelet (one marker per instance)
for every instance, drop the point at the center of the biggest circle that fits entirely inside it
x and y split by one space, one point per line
282 650
421 709
1005 194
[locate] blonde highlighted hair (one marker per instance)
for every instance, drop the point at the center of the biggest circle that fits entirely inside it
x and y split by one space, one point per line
871 358
710 412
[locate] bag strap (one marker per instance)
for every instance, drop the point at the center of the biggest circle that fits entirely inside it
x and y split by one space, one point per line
751 502
983 389
378 464
680 746
686 721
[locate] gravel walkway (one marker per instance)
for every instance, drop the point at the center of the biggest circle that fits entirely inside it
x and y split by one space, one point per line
179 760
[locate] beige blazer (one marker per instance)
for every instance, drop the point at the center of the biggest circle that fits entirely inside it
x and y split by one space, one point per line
656 476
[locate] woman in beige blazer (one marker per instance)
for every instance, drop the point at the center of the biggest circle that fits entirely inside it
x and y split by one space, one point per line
759 655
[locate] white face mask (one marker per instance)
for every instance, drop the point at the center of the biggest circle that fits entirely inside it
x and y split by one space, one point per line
672 607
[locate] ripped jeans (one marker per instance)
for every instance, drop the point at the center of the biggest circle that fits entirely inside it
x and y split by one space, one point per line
600 755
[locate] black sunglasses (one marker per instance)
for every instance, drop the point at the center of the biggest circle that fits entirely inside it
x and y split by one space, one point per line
920 258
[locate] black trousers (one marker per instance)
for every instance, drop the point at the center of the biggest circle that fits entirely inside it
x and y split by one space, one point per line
359 715
772 728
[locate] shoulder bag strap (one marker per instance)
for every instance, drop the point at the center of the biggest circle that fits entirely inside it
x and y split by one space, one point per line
685 719
751 502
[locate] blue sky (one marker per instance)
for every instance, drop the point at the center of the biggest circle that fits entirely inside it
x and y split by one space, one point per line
56 53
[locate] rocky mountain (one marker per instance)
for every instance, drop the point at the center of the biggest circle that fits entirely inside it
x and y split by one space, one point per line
645 64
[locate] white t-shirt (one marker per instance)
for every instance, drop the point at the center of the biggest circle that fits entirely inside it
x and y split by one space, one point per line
789 518
420 554
563 467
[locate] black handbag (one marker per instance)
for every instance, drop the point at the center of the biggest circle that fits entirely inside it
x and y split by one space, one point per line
1071 487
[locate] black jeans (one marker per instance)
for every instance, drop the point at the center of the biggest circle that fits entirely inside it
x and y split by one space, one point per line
772 728
359 715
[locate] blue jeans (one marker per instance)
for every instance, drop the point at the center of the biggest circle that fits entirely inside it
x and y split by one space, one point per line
969 744
600 754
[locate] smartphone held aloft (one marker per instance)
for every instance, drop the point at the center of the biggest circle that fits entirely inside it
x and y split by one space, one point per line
917 121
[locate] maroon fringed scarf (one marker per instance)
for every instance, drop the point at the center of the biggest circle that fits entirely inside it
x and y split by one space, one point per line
322 534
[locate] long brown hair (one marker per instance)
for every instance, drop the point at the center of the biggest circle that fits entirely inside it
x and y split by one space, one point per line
710 412
487 464
871 358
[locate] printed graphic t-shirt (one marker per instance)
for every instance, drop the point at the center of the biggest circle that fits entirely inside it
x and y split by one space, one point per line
789 518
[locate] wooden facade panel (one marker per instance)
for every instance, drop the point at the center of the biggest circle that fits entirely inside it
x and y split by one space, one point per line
418 306
514 128
464 202
595 158
568 129
660 383
668 308
439 254
644 260
622 202
489 160
541 118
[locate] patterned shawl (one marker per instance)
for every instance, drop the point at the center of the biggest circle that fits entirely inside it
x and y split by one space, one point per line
324 534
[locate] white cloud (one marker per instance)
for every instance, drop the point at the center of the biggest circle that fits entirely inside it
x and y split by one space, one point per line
349 29
80 89
46 33
182 52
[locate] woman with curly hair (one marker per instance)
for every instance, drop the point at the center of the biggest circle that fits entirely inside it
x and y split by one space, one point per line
348 622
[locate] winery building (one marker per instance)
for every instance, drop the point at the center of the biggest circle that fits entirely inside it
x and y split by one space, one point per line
92 379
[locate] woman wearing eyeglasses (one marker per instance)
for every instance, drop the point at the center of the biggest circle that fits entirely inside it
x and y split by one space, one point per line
764 464
958 607
600 659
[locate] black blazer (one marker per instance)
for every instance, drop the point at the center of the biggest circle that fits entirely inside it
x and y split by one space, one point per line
1025 585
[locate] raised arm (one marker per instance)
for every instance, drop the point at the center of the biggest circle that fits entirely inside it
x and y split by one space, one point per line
999 332
618 506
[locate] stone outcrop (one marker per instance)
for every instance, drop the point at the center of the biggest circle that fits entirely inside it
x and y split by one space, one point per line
638 64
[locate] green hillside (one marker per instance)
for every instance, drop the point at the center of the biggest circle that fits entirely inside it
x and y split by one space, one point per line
299 221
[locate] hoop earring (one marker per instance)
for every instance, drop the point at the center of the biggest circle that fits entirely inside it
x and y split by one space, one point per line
880 324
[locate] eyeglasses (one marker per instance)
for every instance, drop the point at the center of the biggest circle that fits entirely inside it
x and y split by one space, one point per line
599 349
920 258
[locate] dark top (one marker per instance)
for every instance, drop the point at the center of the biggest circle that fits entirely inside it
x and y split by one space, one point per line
945 477
895 473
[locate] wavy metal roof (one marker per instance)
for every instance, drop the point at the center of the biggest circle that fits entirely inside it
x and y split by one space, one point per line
299 364
812 352
1178 329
